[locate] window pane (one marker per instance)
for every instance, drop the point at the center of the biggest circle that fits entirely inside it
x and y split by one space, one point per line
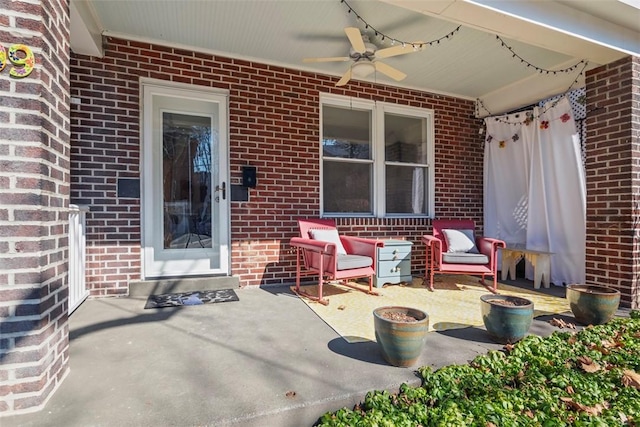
346 133
406 191
186 168
347 187
405 139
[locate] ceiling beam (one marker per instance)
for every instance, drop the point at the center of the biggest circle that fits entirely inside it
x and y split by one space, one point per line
86 37
568 21
544 24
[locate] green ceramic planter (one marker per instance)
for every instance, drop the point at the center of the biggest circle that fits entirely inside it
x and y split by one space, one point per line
400 342
592 304
506 318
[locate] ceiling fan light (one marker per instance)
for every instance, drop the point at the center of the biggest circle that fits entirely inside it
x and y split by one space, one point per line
363 69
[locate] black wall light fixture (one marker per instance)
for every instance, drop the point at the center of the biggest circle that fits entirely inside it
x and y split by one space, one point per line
249 176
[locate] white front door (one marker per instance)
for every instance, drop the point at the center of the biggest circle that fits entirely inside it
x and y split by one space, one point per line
185 200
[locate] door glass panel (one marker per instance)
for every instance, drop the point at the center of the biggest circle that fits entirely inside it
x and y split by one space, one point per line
186 166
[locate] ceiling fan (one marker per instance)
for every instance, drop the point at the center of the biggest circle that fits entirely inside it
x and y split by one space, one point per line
365 55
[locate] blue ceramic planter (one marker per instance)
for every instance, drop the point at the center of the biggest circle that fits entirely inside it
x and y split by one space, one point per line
592 304
400 342
506 318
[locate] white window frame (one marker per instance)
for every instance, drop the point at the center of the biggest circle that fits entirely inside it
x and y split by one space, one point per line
378 110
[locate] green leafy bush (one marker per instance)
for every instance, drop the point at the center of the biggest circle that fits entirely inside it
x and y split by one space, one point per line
588 378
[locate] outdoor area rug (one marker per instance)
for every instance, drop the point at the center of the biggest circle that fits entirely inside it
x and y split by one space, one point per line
191 298
455 303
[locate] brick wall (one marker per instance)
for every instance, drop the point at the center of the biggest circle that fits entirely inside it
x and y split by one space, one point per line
274 125
613 178
34 200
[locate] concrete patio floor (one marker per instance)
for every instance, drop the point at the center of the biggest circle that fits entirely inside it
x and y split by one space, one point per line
266 360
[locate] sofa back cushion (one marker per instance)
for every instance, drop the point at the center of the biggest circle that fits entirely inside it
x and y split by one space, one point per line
328 235
460 241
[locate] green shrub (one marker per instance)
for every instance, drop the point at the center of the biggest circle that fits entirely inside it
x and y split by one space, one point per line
586 378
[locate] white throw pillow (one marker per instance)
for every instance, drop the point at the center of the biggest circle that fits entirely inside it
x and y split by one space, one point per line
328 235
460 241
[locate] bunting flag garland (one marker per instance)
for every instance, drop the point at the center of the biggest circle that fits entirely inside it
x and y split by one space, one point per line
529 118
577 101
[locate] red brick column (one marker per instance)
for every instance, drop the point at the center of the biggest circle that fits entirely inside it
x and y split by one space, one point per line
613 178
34 201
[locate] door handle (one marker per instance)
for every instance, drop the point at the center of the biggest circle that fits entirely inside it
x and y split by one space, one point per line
223 189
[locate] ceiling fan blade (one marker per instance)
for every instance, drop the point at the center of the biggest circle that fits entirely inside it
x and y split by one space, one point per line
399 50
356 39
331 59
389 71
345 78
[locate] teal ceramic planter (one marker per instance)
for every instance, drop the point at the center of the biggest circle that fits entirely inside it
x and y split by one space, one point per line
506 318
592 304
400 342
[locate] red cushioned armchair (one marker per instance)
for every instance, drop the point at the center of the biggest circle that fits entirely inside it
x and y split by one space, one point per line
322 252
455 249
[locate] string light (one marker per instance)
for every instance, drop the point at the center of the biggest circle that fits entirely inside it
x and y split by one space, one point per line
479 103
538 69
528 118
393 41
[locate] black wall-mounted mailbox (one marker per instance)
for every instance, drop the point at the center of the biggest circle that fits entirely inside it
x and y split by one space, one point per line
239 193
249 176
129 188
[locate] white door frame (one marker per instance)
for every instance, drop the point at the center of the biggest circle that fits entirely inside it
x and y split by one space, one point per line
158 262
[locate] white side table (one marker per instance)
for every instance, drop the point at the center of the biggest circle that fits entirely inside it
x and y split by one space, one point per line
393 262
540 260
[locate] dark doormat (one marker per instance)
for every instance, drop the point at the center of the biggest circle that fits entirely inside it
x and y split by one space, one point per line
191 298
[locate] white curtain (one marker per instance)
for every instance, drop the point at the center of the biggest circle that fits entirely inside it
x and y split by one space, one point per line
534 186
417 191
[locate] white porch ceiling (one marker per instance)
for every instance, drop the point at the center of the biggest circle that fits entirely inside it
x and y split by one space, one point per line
471 64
